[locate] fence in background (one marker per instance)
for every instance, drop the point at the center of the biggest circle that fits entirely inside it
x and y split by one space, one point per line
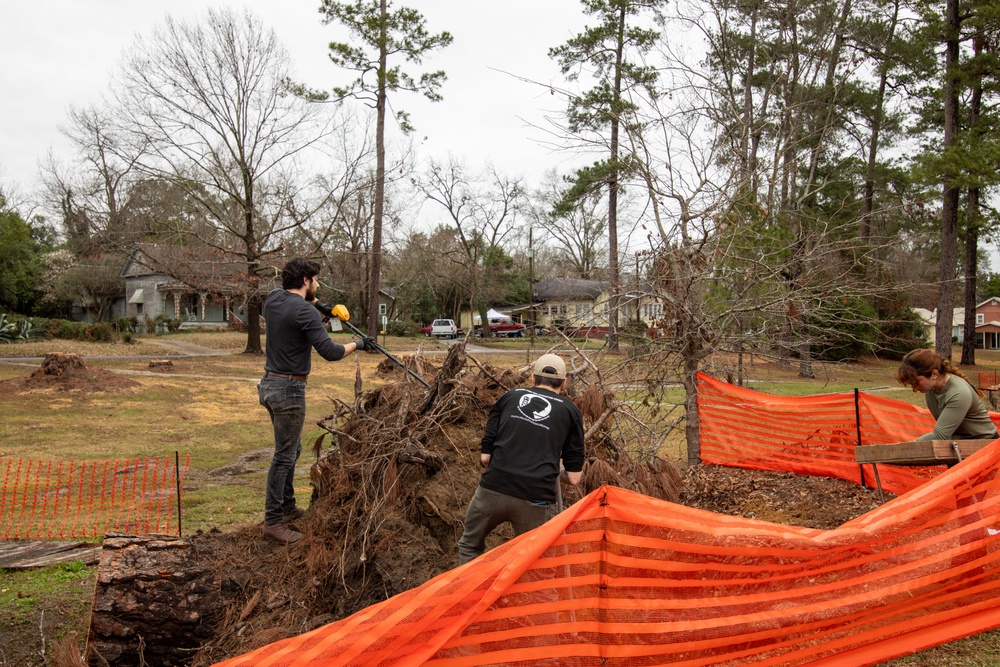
86 499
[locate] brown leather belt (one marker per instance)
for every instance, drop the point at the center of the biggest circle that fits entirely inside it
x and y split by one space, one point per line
301 378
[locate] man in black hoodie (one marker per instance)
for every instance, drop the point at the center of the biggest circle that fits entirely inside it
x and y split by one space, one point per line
294 328
528 432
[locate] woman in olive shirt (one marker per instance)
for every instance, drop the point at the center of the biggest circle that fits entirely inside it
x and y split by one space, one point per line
950 396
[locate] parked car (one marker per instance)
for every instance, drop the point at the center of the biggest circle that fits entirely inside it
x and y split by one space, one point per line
444 328
503 327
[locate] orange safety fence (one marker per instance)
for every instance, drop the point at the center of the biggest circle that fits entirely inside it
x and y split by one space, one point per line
84 499
810 435
621 579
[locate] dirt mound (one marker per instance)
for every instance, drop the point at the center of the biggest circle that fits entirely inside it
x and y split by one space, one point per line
67 372
778 497
397 470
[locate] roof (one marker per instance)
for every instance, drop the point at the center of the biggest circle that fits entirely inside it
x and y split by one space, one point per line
929 317
195 267
569 288
182 262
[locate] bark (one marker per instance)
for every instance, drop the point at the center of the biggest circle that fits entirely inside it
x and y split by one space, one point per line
949 207
878 117
972 229
375 267
613 185
158 598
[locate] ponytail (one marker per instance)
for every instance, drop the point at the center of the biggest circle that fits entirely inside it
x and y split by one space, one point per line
923 362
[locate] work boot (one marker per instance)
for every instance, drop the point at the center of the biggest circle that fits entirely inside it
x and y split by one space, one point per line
279 532
296 513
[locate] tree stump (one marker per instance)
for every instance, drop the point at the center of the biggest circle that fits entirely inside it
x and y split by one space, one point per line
162 364
157 601
58 363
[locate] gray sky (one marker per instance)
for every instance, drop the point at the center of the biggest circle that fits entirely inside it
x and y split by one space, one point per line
57 53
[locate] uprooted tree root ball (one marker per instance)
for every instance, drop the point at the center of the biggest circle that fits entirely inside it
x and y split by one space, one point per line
394 475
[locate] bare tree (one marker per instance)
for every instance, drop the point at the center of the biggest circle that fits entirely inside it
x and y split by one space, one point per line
207 107
382 37
576 229
483 210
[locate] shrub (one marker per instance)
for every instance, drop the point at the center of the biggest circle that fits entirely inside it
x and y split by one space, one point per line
127 324
16 327
7 329
634 335
398 328
101 332
68 329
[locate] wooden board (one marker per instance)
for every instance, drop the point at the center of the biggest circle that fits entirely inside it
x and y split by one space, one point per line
20 554
918 452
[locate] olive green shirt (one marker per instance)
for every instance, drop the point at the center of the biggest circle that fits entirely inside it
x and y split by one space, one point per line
959 412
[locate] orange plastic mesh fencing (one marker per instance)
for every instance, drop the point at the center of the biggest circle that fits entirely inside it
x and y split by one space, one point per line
81 499
811 435
622 579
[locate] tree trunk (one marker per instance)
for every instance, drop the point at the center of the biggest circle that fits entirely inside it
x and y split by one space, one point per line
949 207
613 185
158 597
972 223
692 423
253 326
877 118
375 268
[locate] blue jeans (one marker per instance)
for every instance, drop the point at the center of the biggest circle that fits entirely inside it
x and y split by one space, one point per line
285 401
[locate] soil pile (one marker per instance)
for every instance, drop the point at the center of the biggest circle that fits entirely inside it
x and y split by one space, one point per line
397 470
67 372
778 497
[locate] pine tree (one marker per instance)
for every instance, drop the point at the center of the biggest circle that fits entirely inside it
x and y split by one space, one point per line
382 34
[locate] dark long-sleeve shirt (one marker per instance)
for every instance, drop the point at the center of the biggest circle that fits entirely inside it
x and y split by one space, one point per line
527 433
294 328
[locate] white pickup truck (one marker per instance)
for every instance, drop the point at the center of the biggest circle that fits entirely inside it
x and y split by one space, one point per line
445 329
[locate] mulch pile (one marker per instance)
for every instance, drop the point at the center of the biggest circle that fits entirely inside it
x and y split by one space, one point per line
778 497
69 373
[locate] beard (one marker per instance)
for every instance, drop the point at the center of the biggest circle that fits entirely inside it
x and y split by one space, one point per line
310 293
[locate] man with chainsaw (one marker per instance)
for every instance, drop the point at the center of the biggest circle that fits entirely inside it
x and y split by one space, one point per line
527 434
294 328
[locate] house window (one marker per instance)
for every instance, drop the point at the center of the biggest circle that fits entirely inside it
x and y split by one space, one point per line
138 309
653 310
980 318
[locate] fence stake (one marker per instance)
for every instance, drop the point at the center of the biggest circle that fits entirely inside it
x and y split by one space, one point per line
177 477
857 425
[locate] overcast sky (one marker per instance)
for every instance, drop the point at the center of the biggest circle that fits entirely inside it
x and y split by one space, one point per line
57 53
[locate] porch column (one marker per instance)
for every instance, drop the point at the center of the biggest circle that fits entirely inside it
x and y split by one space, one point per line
225 309
202 301
177 305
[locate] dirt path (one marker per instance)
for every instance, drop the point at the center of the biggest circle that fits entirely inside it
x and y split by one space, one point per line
188 349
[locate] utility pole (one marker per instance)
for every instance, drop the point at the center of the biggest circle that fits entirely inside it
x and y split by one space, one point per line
531 292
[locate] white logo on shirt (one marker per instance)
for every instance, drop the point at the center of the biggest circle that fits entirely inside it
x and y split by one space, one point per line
534 407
